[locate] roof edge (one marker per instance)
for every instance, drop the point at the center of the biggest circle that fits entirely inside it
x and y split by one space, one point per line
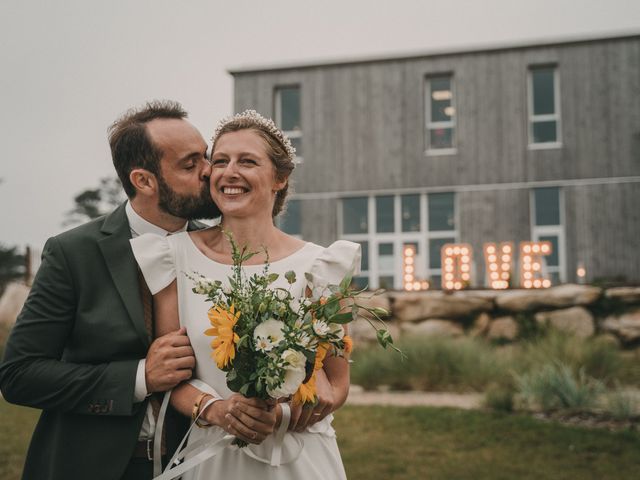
489 47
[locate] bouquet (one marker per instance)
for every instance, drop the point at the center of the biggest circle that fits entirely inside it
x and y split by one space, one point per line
269 343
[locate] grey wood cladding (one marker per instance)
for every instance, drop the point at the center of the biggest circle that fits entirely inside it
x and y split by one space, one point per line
363 129
364 124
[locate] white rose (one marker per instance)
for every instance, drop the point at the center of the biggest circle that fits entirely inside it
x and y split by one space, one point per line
293 378
295 359
272 330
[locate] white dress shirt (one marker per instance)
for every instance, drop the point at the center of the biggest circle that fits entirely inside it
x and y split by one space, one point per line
140 226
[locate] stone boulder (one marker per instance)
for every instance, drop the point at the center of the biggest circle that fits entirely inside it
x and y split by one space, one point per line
362 332
480 325
15 294
503 328
624 294
626 326
417 306
561 296
575 320
432 328
376 301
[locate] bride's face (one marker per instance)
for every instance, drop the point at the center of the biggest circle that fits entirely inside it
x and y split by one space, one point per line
243 177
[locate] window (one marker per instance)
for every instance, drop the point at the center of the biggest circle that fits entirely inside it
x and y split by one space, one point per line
291 220
440 115
355 215
442 230
410 213
544 107
385 224
288 117
547 225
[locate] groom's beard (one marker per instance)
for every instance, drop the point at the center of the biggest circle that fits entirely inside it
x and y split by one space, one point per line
189 207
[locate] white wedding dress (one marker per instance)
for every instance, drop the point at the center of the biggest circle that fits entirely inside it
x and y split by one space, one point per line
310 455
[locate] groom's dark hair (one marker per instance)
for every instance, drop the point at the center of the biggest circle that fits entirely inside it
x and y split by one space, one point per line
129 140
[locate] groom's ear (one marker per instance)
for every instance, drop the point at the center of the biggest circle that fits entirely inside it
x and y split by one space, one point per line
144 181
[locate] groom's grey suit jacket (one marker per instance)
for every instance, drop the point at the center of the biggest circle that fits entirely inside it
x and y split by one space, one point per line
74 352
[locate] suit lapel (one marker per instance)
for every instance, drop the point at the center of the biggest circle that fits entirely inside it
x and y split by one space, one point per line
122 266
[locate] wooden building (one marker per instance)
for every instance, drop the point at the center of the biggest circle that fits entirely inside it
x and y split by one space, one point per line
528 142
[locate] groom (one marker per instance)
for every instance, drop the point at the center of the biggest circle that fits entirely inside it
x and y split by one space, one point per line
82 349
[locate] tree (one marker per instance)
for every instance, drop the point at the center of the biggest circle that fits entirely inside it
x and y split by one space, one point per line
92 203
12 265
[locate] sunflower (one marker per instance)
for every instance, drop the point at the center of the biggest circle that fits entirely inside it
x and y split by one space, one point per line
307 391
223 321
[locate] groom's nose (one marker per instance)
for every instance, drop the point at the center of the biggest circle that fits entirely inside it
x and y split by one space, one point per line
205 171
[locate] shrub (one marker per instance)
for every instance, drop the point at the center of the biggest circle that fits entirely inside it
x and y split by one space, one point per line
622 405
432 364
555 386
597 357
499 397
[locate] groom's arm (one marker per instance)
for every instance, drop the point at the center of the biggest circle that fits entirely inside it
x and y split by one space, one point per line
33 373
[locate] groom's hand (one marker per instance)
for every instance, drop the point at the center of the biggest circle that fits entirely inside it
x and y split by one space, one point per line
170 360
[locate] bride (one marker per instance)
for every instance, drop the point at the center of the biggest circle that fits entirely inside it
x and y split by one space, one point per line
251 163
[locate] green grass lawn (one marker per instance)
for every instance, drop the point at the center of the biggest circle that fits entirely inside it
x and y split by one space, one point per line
16 426
431 443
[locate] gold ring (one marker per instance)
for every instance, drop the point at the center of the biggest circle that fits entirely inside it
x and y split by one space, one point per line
317 414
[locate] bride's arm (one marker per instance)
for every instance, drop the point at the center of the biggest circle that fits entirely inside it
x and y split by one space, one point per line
247 418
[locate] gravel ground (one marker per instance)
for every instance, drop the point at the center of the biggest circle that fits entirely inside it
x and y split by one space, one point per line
467 401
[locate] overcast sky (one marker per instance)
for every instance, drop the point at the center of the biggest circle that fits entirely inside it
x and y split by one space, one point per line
69 68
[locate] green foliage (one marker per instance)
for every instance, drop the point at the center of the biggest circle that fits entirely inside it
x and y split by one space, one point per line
528 328
468 364
597 357
431 364
499 397
623 405
95 202
555 386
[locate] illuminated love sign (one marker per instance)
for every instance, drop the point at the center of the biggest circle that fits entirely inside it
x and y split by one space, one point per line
457 261
408 269
456 265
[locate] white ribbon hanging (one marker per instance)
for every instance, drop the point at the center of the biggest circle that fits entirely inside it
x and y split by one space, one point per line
201 450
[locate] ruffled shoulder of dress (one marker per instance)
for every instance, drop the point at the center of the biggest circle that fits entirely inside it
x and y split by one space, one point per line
334 262
156 258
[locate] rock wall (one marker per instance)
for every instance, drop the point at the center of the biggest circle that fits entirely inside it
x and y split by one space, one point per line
506 315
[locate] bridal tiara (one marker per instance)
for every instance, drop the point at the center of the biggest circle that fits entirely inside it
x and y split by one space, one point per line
264 122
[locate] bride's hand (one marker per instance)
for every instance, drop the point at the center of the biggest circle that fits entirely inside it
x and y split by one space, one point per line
249 419
303 417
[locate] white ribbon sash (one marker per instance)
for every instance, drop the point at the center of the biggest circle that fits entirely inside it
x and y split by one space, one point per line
202 450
